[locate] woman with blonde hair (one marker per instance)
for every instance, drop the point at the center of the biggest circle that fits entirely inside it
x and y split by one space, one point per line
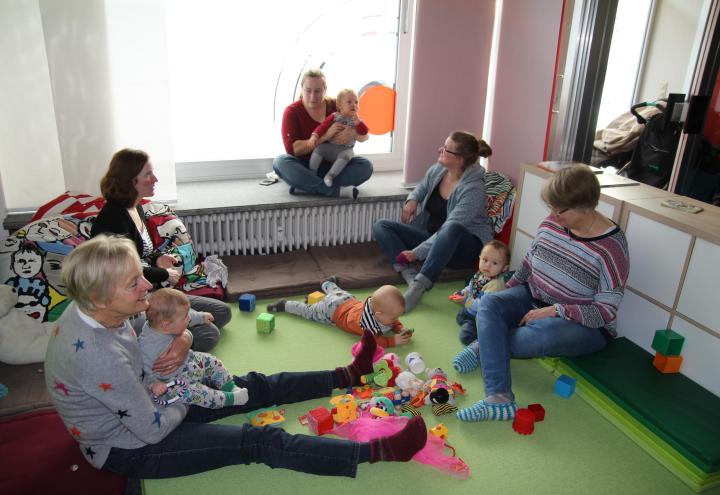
94 374
299 121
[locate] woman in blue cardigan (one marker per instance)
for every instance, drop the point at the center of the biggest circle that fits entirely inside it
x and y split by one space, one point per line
444 220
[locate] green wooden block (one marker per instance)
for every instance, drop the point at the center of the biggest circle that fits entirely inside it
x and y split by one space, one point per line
265 323
667 342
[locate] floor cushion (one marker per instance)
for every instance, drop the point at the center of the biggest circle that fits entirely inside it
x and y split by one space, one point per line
673 418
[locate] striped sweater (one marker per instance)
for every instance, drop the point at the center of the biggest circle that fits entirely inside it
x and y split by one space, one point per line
583 277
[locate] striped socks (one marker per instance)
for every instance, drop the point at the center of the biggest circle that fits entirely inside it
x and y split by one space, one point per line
484 411
468 359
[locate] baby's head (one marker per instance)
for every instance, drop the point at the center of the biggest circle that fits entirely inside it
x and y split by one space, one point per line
388 304
494 259
169 311
347 103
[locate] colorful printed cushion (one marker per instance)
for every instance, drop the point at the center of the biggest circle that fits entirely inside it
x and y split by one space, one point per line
31 258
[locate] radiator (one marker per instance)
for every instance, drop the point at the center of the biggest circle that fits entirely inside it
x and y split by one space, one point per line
287 229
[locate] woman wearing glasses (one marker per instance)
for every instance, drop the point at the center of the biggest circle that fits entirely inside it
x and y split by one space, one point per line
444 220
562 301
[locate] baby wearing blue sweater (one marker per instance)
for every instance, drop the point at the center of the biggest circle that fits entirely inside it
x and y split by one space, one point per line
202 380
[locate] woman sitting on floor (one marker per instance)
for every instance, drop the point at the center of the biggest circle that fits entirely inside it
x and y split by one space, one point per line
562 301
129 179
451 225
94 373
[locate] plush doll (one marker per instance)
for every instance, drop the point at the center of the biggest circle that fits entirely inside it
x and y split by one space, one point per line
438 388
23 339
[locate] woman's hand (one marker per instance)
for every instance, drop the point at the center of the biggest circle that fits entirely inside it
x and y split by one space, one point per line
174 356
158 388
538 314
409 211
166 261
208 317
173 276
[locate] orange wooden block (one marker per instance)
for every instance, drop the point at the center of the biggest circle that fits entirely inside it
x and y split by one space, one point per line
667 364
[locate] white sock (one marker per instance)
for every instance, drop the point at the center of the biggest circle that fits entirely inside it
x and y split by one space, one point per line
240 396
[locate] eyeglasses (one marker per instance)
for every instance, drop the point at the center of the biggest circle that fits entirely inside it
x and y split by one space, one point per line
443 149
557 212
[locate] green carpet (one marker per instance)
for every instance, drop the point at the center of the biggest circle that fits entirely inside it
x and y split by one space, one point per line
574 450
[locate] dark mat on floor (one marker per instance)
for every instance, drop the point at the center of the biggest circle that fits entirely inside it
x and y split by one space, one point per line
356 266
672 406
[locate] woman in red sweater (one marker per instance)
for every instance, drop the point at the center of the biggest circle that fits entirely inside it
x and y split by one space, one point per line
299 121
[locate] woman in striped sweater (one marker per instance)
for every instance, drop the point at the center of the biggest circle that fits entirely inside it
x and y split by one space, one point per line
562 301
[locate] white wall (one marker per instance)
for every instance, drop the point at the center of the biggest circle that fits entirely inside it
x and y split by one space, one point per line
30 159
449 77
529 33
64 111
670 49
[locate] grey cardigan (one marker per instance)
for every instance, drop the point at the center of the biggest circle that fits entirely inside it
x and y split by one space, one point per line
467 205
97 384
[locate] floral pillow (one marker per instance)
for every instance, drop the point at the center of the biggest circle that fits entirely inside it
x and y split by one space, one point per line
31 258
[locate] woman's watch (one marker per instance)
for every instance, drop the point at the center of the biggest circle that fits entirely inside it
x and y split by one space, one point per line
557 310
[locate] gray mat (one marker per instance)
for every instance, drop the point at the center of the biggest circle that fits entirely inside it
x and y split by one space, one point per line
356 266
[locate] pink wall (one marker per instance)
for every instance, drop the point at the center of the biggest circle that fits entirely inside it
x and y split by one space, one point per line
449 79
523 85
449 76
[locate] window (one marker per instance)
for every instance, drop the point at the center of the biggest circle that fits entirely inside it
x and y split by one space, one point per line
234 67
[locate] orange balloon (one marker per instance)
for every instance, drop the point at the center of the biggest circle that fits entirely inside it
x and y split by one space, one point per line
377 109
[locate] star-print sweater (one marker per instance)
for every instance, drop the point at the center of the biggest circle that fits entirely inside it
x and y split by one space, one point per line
96 382
584 278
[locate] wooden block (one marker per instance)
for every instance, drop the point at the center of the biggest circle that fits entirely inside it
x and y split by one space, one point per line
265 323
315 297
667 364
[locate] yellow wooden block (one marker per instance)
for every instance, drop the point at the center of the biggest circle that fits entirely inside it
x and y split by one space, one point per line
315 297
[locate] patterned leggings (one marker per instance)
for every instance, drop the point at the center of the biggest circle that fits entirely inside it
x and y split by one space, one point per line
193 381
321 311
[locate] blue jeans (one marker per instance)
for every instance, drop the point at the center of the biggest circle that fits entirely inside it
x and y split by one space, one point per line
500 338
297 174
195 446
453 246
468 331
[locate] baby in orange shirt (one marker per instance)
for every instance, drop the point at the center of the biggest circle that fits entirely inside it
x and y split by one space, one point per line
379 313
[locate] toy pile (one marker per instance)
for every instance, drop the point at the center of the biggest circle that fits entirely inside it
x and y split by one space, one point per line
385 402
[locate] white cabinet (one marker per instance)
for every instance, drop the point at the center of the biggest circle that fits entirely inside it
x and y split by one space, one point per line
657 257
674 266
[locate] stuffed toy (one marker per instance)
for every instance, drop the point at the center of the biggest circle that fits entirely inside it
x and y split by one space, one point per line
23 339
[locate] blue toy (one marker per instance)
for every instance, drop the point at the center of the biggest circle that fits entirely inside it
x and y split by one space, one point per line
565 386
247 302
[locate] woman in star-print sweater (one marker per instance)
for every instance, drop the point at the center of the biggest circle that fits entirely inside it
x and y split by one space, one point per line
94 372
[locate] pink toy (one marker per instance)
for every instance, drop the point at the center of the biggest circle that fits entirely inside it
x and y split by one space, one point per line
392 358
402 260
366 428
379 351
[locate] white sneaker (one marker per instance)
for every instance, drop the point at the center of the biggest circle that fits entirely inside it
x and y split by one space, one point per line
328 180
